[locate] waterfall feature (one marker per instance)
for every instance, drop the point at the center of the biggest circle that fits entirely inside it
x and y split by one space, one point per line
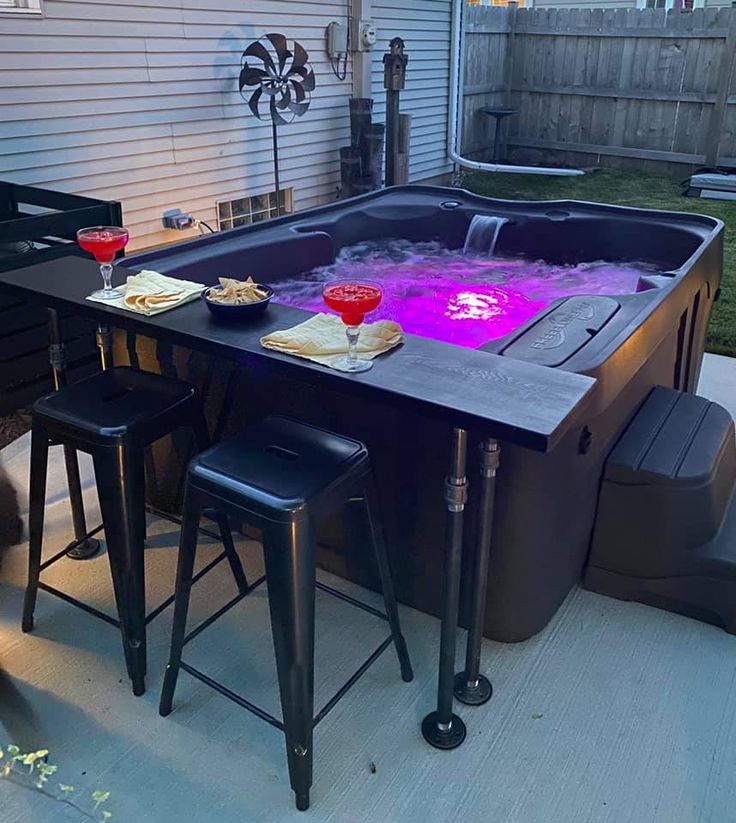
483 234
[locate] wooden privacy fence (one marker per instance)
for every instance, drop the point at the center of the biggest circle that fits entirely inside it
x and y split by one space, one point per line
647 84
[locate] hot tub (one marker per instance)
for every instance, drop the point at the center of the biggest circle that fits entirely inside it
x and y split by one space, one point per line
642 323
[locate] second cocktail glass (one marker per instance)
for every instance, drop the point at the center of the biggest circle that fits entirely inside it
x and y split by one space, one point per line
352 300
104 242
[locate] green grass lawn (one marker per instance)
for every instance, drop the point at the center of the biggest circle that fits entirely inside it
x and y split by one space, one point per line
627 189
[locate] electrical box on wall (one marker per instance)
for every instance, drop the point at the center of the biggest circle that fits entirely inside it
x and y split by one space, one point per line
362 35
337 40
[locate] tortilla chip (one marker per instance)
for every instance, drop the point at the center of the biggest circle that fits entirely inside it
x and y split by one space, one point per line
237 292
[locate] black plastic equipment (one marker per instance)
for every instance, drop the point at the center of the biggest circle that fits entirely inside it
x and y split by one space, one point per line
113 416
665 529
280 477
627 343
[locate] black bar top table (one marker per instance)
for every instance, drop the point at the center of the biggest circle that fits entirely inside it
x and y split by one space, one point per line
498 398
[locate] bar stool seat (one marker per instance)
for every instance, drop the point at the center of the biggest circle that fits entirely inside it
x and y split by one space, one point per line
278 467
113 416
118 403
280 477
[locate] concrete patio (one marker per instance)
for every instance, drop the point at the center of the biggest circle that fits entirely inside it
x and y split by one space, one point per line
616 713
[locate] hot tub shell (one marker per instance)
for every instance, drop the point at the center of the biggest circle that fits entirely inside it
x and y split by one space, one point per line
546 502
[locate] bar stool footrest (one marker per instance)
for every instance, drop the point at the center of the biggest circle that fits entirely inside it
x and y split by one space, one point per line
73 545
359 604
251 707
226 608
73 601
256 710
67 598
231 695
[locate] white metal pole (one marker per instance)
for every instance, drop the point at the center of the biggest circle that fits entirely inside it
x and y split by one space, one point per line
452 124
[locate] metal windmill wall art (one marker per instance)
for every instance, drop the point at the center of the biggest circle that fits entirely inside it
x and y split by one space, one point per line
277 82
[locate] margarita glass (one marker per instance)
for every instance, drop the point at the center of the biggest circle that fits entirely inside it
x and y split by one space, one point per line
352 300
104 242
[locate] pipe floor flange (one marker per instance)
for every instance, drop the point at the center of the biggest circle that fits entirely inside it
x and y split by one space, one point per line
85 550
443 739
475 695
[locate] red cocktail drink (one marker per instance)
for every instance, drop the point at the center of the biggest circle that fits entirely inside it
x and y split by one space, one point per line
104 242
352 301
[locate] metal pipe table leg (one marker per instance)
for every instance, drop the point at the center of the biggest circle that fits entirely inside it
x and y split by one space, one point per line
471 687
103 338
82 547
441 728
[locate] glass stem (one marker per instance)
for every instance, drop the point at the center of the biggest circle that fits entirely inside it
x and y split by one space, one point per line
352 333
106 272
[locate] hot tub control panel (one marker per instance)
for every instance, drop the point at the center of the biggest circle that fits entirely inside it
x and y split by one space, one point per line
557 335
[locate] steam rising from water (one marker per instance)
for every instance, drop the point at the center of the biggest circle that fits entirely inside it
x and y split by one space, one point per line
465 299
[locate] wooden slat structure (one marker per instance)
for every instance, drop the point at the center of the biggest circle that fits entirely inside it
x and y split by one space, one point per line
599 84
49 220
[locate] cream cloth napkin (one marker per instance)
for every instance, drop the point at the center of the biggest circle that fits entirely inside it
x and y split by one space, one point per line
149 292
322 339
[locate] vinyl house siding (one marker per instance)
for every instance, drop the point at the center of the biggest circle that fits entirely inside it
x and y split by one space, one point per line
425 27
139 102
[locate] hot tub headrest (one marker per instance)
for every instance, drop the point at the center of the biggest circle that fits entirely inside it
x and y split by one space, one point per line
239 257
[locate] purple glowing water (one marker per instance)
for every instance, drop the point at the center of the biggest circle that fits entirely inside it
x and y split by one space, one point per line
458 298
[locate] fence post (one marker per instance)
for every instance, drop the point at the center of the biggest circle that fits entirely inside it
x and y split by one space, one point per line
508 68
725 72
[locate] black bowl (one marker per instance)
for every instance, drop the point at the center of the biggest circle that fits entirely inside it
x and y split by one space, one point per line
237 311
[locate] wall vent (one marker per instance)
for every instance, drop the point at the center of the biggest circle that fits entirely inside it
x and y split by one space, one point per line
246 210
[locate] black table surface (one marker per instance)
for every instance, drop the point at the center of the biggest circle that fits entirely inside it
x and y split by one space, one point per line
509 399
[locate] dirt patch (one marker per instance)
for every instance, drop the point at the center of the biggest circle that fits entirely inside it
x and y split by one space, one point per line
14 425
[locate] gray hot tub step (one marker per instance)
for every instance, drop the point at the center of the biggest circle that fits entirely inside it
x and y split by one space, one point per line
665 529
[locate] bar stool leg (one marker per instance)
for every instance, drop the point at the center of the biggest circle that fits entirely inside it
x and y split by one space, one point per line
184 574
441 728
471 687
120 487
387 584
82 547
289 553
37 505
232 555
202 439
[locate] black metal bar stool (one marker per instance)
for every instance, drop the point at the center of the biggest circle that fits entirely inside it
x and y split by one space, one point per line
280 477
113 416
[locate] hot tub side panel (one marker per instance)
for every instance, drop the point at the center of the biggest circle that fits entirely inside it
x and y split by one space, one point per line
546 503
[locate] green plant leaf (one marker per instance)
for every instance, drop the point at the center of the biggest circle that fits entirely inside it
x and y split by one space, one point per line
13 751
100 797
65 789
